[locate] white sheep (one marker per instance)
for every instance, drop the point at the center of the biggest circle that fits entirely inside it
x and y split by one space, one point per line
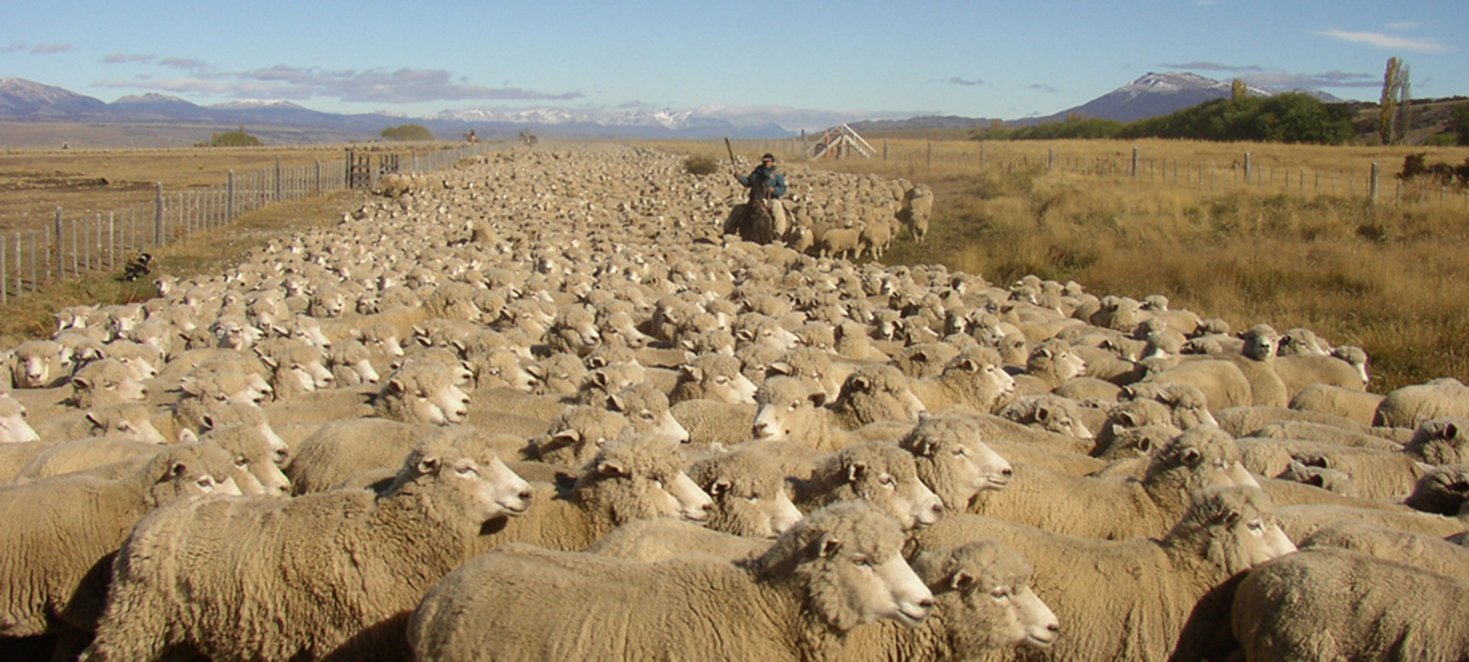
422 392
59 529
1165 602
1356 406
180 577
1334 604
878 472
13 425
952 459
839 568
38 364
1415 549
105 382
1410 406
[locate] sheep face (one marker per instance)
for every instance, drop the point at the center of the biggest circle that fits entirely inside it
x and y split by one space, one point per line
647 410
436 403
37 364
984 589
750 508
889 480
878 393
13 425
786 405
191 470
1441 441
1443 490
106 382
131 421
640 479
489 489
953 462
1233 527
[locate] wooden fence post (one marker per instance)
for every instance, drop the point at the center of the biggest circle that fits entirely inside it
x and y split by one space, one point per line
277 197
158 216
1373 184
1134 162
60 265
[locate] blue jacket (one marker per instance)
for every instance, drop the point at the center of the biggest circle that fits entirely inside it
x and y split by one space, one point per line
774 179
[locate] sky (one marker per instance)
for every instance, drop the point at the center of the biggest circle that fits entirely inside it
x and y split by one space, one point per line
804 65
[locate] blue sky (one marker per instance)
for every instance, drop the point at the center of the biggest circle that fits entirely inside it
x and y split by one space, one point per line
801 64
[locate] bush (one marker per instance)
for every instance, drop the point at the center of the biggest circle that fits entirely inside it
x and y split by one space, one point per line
407 132
237 138
700 164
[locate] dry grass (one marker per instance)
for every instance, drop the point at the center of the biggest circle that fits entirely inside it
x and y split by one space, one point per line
1390 278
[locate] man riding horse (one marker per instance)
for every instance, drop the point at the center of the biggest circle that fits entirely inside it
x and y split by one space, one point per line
764 216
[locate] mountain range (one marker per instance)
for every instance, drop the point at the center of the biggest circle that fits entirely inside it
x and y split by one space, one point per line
26 101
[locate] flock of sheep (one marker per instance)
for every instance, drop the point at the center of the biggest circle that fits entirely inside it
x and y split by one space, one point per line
541 406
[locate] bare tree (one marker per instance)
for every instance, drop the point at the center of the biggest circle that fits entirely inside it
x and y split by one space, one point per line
1238 89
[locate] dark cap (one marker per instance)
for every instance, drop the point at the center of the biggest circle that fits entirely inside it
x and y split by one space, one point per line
768 157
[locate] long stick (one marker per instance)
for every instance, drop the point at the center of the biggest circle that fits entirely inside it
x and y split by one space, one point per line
734 168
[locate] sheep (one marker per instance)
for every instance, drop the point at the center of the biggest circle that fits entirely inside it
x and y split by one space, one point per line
181 575
749 497
875 471
983 603
838 568
839 242
1331 480
917 210
1222 382
631 478
953 461
105 382
1440 441
576 435
1442 490
790 409
1356 406
1051 413
1169 602
1298 372
350 363
256 458
1325 434
296 367
1104 508
874 394
925 360
1296 608
38 364
1420 551
60 532
1244 421
713 377
1050 364
13 425
345 448
647 409
975 379
420 392
1410 406
714 422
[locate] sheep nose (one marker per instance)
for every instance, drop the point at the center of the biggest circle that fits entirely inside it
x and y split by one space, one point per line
758 430
1007 472
1054 627
926 603
526 494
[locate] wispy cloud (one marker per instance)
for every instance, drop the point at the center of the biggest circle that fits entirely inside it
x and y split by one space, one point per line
50 49
1211 66
185 63
1387 41
298 83
13 47
955 80
1403 25
1038 87
124 58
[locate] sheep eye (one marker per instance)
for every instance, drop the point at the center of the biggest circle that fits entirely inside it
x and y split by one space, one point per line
242 461
862 562
1256 527
205 482
466 470
1000 593
960 452
280 456
886 480
721 380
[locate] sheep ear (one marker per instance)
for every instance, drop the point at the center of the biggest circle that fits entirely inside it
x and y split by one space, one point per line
827 547
1450 432
81 382
1316 479
187 436
536 370
1127 419
779 368
396 386
1190 456
855 471
720 487
1317 461
818 399
693 372
615 403
924 448
269 362
178 469
1145 444
208 421
961 580
860 383
1227 517
611 469
93 419
1044 352
1044 414
427 465
459 345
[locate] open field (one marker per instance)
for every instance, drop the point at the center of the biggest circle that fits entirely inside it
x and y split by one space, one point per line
1391 278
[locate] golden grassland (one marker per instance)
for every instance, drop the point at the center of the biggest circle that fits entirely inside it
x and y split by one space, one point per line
1391 277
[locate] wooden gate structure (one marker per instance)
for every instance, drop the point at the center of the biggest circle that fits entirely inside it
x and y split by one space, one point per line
360 171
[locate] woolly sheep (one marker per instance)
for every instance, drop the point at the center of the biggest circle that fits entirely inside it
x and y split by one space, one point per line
874 394
1167 601
1298 372
837 569
1440 441
713 377
422 393
105 382
1106 508
1410 406
59 529
975 379
345 448
1356 406
1420 551
953 461
632 478
180 576
576 435
1293 609
917 210
749 497
878 472
13 425
38 364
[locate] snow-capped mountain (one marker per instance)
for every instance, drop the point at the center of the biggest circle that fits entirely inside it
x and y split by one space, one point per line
24 99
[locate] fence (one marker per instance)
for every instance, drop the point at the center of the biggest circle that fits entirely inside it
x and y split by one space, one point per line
74 245
1243 171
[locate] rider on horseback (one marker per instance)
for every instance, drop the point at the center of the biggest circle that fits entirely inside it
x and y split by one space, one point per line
767 184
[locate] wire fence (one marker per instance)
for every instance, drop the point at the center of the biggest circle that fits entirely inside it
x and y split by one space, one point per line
1243 172
75 244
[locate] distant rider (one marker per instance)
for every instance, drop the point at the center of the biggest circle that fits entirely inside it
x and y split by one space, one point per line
767 185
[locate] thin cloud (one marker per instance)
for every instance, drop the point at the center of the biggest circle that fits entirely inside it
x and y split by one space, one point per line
14 47
370 86
1211 66
188 64
50 49
798 118
955 80
1403 25
1038 87
1292 81
123 58
1387 41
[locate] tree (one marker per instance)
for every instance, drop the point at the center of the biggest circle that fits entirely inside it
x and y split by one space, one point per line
1238 89
1394 86
1461 125
237 138
407 132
